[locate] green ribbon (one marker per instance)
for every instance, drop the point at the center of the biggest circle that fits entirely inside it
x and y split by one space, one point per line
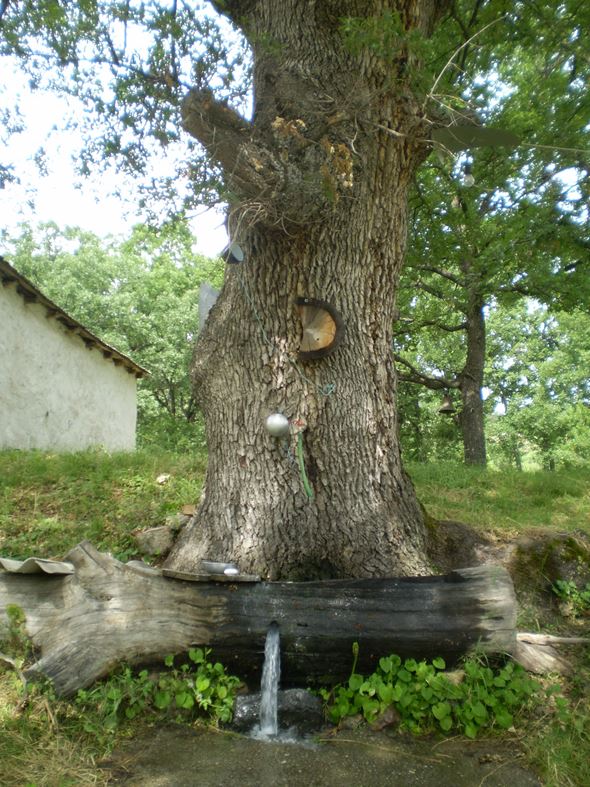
300 461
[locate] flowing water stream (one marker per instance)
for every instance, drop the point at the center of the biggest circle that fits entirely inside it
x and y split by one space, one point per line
269 687
169 756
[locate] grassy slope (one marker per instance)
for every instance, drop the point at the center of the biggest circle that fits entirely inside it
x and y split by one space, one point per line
51 502
48 503
507 500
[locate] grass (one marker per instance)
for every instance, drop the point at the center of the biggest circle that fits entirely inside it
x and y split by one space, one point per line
507 500
558 743
49 503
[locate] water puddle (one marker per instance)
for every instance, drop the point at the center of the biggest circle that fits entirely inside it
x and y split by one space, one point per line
177 756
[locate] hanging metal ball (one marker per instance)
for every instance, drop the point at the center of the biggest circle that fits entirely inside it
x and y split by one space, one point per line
277 425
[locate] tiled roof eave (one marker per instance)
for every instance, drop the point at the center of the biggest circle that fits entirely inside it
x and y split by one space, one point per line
30 294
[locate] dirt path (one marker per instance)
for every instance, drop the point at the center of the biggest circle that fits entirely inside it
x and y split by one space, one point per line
175 756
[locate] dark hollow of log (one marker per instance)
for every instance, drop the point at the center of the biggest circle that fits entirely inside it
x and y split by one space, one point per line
84 623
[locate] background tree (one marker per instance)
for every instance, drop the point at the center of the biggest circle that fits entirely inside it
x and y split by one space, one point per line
478 253
499 224
346 97
537 402
539 386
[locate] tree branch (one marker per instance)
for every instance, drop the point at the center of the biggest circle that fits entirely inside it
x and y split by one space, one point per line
218 127
3 8
251 169
439 294
412 326
283 188
519 288
440 272
462 326
419 378
574 265
234 10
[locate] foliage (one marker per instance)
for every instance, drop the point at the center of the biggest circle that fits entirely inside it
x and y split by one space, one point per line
518 230
129 66
577 598
198 688
425 435
160 430
427 700
559 742
57 741
140 295
536 376
536 390
208 688
516 227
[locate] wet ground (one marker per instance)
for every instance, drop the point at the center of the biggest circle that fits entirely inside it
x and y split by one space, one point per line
175 756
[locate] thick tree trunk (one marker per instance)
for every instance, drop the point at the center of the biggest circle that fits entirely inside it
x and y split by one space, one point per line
471 418
319 180
83 623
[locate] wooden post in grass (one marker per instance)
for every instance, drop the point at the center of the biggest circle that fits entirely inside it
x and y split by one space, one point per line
103 612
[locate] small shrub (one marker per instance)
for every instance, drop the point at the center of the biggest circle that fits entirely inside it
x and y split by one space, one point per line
426 700
577 598
198 688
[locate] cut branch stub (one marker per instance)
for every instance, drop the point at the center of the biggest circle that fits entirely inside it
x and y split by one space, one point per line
322 328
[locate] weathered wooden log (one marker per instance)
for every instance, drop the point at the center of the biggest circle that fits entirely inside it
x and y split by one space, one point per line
537 652
105 612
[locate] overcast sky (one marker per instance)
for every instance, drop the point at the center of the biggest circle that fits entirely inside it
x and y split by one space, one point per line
93 207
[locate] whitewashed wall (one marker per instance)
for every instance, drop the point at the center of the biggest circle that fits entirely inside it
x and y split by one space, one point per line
55 394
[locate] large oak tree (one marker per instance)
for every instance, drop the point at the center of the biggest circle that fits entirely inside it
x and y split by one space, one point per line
346 94
318 180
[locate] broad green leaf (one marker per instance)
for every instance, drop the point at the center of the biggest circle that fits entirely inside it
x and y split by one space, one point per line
446 723
440 710
162 699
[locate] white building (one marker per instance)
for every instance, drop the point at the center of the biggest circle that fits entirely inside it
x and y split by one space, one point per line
61 388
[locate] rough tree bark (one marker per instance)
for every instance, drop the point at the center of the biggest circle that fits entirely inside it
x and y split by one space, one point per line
471 417
318 182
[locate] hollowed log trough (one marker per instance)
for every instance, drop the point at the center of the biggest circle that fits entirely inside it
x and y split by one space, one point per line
83 623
